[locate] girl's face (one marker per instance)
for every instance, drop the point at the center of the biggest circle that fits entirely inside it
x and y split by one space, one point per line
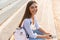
33 9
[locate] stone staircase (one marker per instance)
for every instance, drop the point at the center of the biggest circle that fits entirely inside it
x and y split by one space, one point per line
10 16
11 12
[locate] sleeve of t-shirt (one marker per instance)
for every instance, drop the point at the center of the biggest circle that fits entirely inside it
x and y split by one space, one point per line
28 29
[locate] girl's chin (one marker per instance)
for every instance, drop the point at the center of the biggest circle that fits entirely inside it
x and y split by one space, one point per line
33 14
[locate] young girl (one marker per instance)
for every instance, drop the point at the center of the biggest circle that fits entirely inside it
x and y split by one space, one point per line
29 23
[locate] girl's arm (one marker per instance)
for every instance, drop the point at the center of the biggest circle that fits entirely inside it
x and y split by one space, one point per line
42 30
39 28
44 36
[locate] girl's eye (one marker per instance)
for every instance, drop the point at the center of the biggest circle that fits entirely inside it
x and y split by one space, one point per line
32 7
35 6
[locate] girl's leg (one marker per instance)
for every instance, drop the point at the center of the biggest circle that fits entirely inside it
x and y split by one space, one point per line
38 32
35 39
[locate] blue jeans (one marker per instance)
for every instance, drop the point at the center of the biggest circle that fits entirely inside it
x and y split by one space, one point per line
38 32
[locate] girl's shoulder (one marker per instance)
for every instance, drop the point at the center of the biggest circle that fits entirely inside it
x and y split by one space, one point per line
27 20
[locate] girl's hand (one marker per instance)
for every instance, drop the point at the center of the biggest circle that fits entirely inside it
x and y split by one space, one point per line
47 33
47 36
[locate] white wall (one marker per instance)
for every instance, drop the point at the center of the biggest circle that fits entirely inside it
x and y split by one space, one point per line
45 16
56 10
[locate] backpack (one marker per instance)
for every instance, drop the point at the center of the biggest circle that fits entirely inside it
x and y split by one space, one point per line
20 34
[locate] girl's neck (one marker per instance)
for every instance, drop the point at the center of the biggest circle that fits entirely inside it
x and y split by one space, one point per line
32 19
32 16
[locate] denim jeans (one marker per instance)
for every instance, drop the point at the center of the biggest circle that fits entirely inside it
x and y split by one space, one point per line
38 32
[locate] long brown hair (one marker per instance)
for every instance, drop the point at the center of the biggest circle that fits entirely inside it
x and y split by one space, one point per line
27 12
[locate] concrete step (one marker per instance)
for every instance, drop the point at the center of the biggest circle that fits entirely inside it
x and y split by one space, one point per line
9 26
10 10
4 3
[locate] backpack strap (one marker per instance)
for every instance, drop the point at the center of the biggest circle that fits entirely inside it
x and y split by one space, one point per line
26 31
27 35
